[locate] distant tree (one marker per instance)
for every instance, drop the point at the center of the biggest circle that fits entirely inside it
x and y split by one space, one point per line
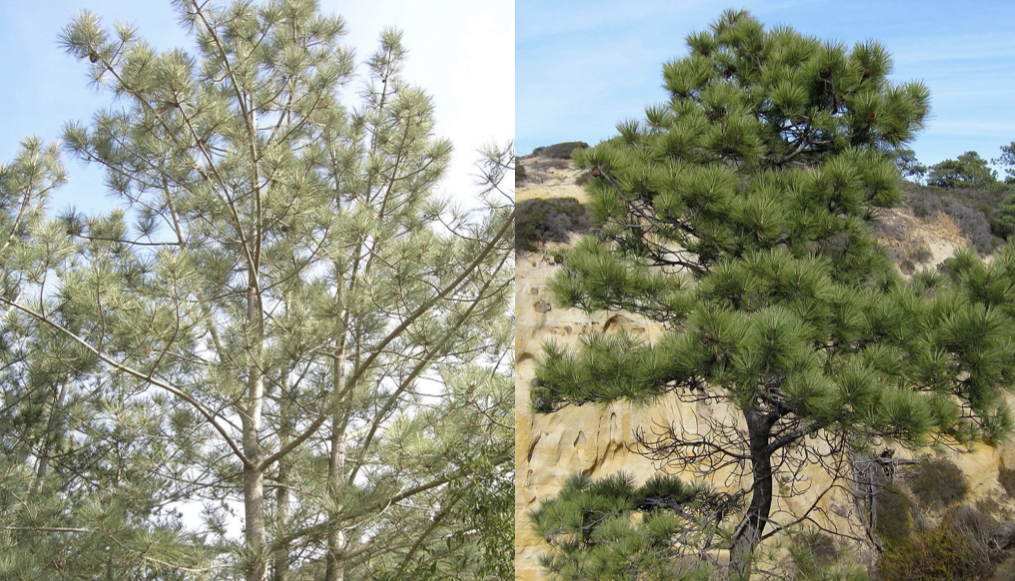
737 217
1007 161
909 166
281 314
968 171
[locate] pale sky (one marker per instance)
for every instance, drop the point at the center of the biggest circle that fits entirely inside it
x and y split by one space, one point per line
460 51
583 66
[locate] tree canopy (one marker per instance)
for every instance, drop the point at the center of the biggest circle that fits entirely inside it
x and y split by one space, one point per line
909 166
281 326
968 171
737 215
1007 161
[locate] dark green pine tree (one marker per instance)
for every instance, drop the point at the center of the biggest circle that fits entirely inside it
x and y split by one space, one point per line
968 171
737 215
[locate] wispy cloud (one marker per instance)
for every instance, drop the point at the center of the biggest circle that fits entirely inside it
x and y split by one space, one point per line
1003 131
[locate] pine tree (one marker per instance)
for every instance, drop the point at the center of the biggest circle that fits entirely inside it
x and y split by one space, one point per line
737 216
909 166
968 171
1007 161
281 314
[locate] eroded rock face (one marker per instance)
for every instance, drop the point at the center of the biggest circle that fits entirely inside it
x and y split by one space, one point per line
600 440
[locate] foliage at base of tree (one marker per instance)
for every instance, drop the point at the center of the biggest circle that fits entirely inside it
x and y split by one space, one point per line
894 517
816 556
611 530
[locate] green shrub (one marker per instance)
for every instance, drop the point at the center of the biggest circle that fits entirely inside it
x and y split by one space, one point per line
550 220
955 550
937 483
1004 223
894 522
812 550
559 150
1007 479
815 556
519 173
936 556
977 212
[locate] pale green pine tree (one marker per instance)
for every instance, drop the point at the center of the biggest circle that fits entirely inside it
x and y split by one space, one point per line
281 315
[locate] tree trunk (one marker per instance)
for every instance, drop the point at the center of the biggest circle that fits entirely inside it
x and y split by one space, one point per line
253 509
253 472
280 565
281 560
336 536
50 437
335 559
748 533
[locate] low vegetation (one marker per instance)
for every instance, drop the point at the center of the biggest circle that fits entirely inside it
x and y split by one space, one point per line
816 556
894 521
937 483
1007 479
538 221
959 548
975 211
559 150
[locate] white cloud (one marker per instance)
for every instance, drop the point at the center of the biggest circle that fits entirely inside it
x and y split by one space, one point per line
462 54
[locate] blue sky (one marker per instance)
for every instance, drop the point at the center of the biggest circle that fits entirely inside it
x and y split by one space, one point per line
582 66
460 51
